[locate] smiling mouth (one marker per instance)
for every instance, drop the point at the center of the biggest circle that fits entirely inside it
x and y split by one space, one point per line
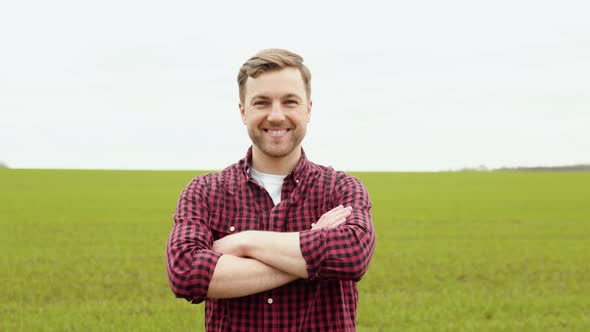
277 132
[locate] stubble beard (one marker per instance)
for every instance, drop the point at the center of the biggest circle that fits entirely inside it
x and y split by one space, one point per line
275 150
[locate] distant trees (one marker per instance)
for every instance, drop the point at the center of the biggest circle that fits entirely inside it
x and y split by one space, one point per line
480 168
565 168
3 165
579 167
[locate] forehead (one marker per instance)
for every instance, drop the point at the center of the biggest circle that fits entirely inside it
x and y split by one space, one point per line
276 83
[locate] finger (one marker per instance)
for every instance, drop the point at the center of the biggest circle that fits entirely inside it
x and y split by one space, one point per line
330 223
346 210
332 216
331 212
328 219
336 213
337 207
333 225
338 223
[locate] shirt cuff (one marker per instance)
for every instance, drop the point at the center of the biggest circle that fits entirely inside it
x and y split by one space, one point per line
312 244
203 267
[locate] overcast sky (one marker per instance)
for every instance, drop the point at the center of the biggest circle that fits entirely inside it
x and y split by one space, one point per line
412 85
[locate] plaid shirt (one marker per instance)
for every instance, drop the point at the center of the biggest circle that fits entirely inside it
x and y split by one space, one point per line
212 206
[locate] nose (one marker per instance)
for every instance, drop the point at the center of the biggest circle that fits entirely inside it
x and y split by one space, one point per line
276 113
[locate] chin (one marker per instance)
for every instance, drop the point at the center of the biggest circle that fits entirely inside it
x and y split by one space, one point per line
277 153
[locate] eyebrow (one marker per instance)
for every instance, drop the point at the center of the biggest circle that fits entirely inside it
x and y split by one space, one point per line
292 95
289 95
260 97
265 97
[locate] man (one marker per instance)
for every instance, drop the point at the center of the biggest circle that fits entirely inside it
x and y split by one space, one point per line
273 242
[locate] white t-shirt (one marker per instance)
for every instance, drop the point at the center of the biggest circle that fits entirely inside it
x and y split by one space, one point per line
272 183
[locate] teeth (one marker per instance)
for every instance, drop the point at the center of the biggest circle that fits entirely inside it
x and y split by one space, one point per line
277 132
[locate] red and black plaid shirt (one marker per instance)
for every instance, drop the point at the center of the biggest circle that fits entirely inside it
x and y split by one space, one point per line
214 205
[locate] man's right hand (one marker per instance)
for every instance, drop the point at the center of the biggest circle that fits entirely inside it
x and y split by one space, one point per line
333 218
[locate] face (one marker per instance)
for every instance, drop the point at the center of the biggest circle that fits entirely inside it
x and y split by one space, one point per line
276 112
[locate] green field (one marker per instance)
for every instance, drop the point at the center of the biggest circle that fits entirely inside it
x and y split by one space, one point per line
465 251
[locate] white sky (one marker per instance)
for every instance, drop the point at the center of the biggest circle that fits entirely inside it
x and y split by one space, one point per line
412 85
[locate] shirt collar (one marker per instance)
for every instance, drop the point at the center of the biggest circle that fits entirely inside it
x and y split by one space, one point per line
298 173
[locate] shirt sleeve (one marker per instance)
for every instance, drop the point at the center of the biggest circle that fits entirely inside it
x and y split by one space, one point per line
343 252
190 260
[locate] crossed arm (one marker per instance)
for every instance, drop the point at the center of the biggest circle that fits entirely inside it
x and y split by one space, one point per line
256 261
338 247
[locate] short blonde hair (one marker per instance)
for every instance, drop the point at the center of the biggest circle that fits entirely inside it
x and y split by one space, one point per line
270 60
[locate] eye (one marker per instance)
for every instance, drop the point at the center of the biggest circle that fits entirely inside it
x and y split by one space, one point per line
260 103
292 102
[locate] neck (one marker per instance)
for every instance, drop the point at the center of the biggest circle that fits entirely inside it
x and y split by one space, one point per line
275 165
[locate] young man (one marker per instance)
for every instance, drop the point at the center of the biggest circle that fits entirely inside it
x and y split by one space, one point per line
273 242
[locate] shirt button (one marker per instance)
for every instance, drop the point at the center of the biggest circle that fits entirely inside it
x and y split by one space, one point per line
297 181
269 300
231 229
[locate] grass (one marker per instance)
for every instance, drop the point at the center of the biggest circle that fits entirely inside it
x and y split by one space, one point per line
467 251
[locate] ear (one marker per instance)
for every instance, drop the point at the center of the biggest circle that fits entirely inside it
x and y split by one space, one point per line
242 113
309 111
